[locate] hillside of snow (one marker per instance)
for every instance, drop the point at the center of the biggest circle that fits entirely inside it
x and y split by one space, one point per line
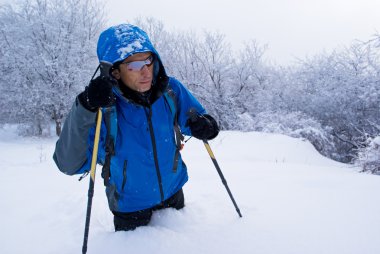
293 201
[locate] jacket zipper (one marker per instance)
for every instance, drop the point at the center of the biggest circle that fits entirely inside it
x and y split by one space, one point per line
124 175
153 139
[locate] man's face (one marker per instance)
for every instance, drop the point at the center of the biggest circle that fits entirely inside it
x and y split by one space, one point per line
137 76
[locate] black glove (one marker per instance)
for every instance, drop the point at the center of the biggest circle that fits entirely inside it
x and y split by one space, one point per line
203 127
98 94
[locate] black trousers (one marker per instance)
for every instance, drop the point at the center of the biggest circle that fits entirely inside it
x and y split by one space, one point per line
130 221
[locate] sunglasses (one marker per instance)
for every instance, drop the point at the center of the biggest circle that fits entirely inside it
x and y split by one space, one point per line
138 65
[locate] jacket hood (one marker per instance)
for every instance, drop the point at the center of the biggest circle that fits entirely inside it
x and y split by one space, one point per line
119 42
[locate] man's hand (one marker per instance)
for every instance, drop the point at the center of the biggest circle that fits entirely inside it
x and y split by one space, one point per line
203 127
98 94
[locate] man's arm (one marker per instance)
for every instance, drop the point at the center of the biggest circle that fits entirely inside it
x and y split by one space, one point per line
71 148
185 102
200 125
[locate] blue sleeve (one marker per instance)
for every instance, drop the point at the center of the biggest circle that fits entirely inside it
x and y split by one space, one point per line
185 102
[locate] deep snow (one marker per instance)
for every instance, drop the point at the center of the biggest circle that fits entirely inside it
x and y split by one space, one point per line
292 199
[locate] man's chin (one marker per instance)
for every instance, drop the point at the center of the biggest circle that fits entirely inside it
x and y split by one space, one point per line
144 88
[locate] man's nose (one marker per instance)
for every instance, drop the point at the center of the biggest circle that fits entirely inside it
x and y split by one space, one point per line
144 69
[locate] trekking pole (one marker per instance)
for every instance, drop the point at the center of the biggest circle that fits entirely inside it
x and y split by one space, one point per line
104 71
208 148
92 180
193 114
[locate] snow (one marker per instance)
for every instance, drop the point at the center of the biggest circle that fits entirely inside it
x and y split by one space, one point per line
376 140
125 51
292 199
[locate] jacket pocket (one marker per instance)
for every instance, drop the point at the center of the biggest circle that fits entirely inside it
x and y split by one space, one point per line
124 174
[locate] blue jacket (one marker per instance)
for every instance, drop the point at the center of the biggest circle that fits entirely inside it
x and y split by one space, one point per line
141 171
136 181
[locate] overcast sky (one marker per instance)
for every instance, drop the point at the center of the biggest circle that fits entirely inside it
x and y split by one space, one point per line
291 28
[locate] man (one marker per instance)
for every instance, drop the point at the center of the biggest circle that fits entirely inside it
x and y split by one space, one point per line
146 170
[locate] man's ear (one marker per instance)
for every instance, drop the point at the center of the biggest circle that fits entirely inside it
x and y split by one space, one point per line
116 73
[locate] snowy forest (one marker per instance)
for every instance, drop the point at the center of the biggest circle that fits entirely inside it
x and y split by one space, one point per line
48 56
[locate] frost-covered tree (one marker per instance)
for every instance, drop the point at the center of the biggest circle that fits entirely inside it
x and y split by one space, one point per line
369 156
215 57
50 55
155 29
342 91
180 56
252 78
330 99
205 64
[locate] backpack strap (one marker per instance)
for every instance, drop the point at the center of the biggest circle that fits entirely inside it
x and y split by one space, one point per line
110 117
171 99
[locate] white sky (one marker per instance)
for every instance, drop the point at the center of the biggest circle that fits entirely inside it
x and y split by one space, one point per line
291 28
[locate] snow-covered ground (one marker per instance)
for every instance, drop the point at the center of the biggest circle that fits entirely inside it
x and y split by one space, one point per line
292 199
